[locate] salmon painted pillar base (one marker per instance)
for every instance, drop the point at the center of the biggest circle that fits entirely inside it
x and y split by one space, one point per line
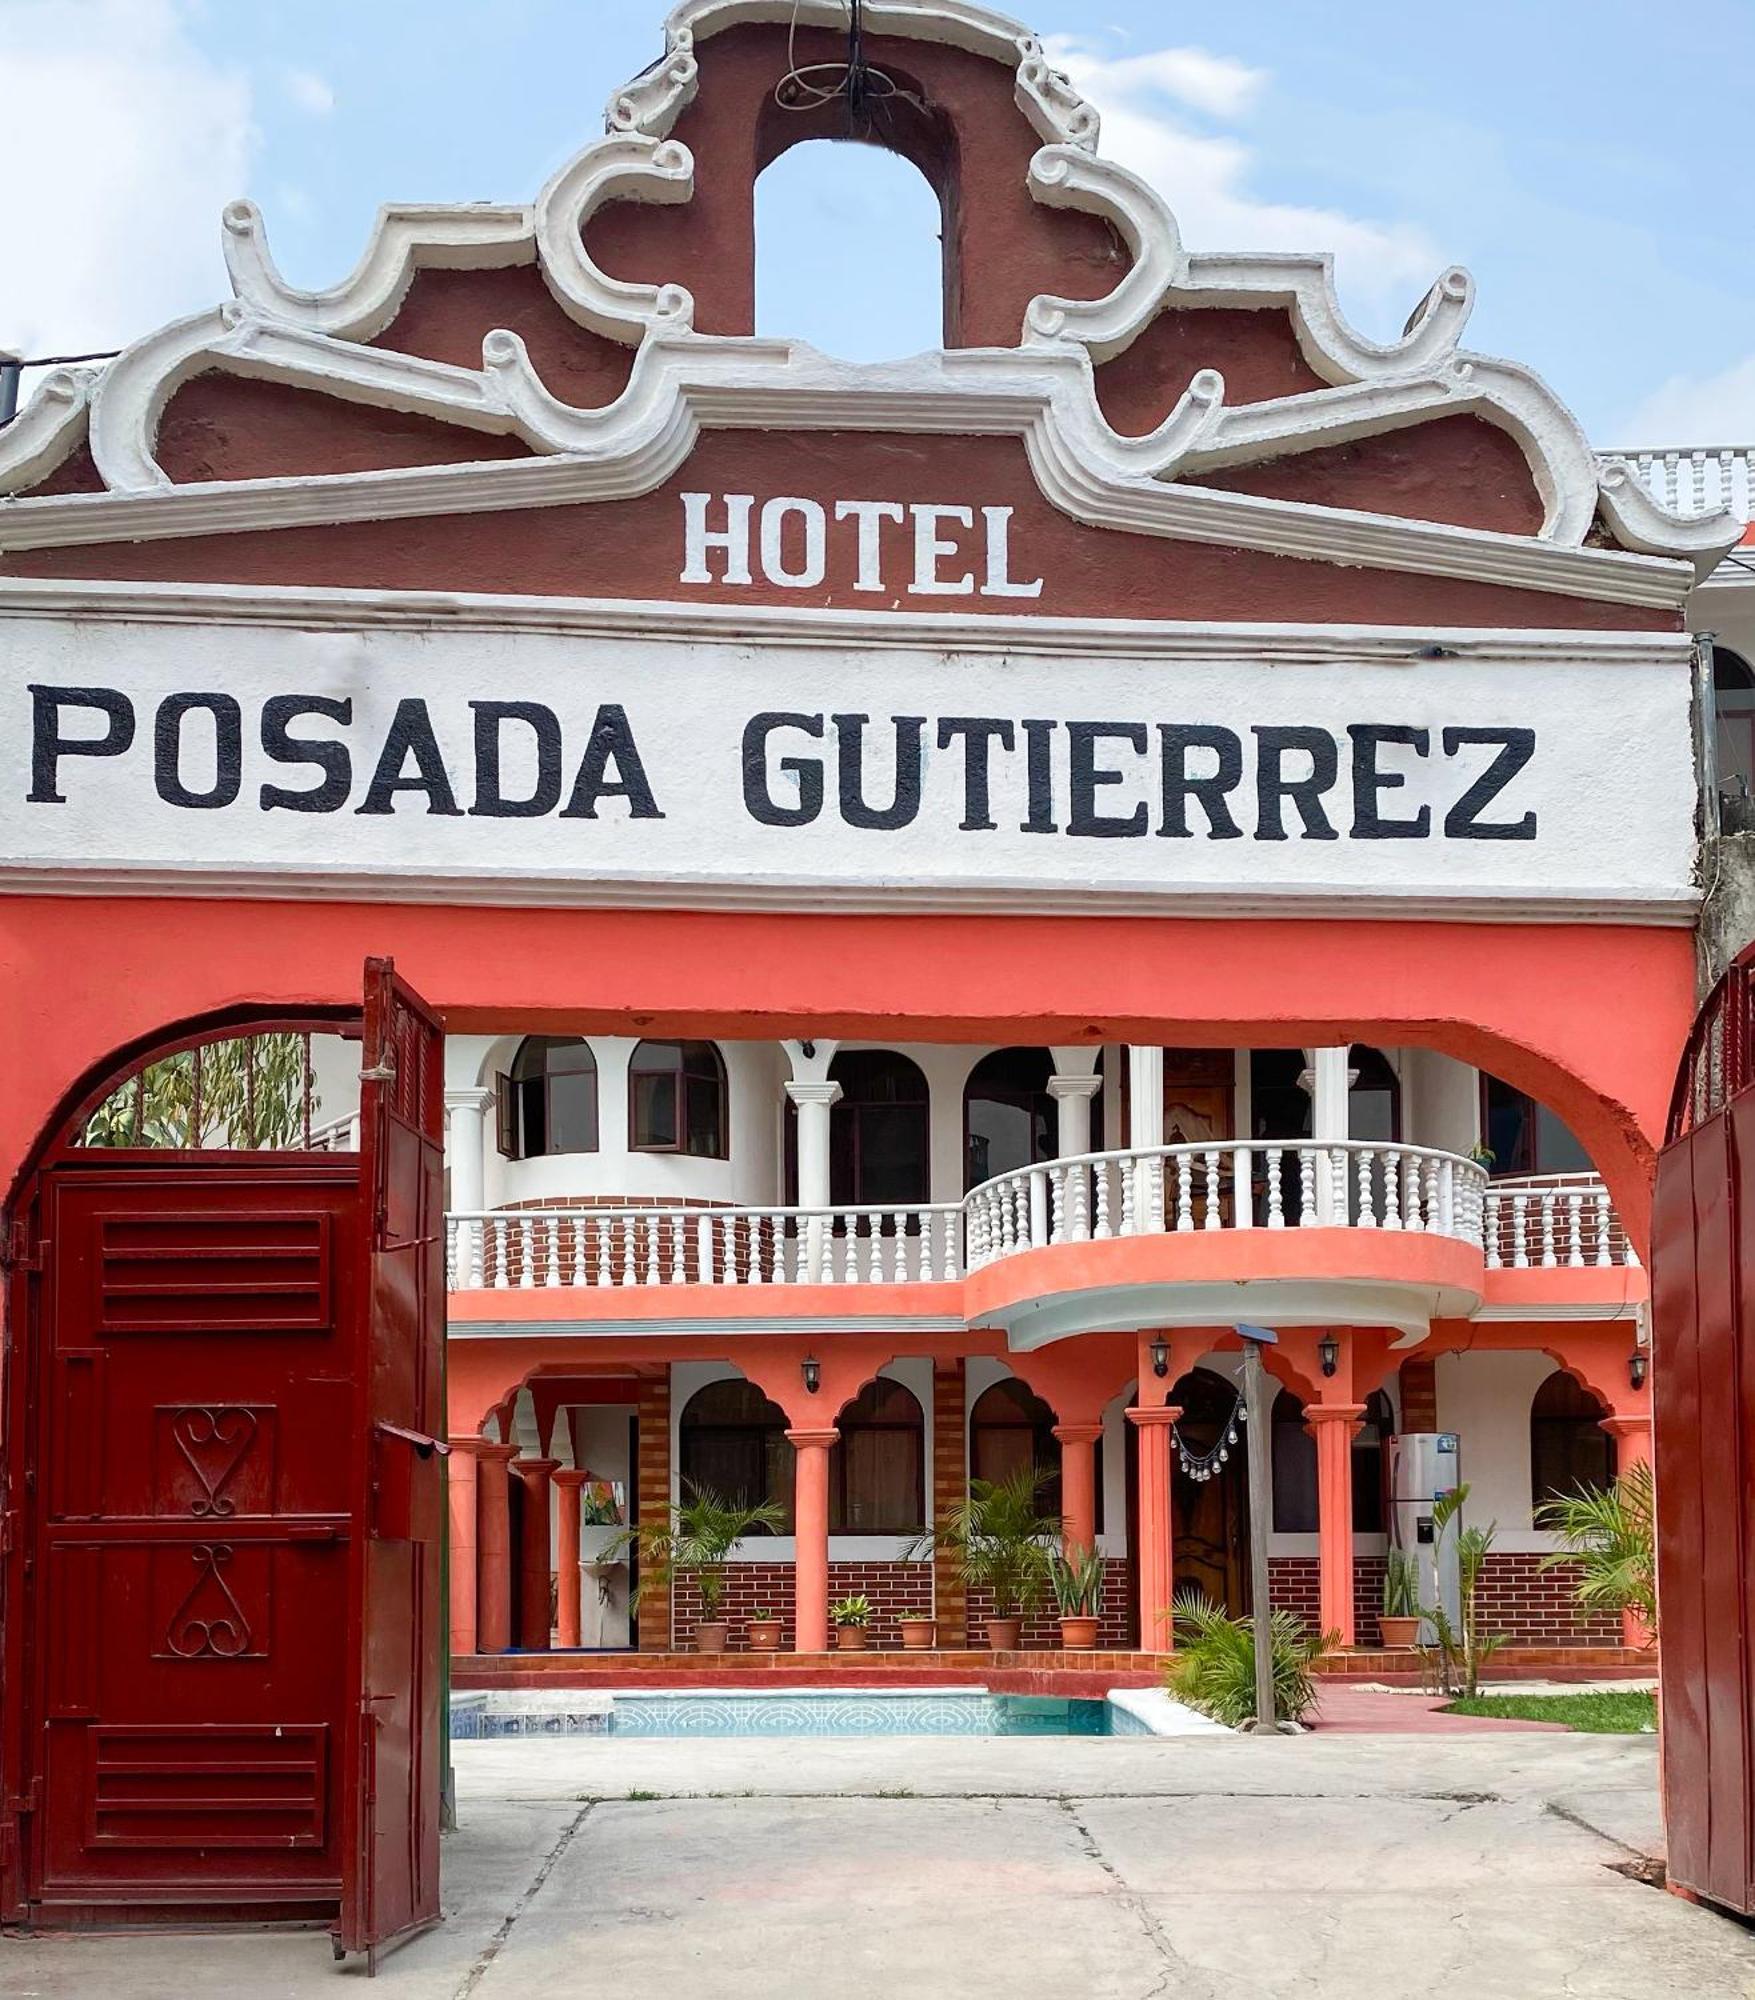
1078 1485
1631 1431
463 1500
534 1621
1334 1427
810 1529
493 1546
567 1484
1157 1553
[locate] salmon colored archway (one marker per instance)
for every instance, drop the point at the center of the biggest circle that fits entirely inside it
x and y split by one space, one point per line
1586 1018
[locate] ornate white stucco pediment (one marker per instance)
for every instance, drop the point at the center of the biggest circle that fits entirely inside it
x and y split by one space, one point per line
1041 389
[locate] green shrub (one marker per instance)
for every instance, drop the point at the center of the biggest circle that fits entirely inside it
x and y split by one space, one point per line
851 1611
1077 1583
1607 1531
1213 1668
1401 1585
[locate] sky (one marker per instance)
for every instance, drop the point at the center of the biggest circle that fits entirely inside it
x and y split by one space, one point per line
1586 159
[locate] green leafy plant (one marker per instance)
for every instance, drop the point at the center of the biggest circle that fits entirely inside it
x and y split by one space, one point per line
1401 1585
247 1092
694 1538
999 1539
598 1507
1608 1533
851 1611
1213 1667
1461 1648
1077 1583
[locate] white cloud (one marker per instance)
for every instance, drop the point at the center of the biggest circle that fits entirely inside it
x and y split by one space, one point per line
309 92
1205 176
121 141
1696 410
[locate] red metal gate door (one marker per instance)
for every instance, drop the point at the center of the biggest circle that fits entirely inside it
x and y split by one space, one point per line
191 1431
396 1615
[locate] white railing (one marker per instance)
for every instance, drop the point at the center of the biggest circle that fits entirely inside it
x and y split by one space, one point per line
522 1248
1255 1184
1547 1221
337 1135
1695 481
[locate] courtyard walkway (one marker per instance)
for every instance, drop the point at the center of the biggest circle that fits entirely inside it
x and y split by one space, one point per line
1476 1864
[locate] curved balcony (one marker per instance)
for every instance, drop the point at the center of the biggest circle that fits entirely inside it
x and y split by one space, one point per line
1546 1222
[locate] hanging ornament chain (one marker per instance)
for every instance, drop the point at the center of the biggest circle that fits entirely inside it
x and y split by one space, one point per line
1204 1465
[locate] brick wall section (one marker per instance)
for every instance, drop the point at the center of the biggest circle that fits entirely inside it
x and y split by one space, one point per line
1532 1606
1042 1626
896 1589
581 1253
652 1477
948 1474
1419 1399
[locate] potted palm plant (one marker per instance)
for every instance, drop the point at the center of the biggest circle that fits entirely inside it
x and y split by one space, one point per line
695 1538
1399 1620
763 1630
1077 1582
851 1616
1000 1542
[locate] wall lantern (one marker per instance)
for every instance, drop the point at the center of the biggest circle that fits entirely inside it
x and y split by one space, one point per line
812 1371
1329 1351
1160 1353
1636 1367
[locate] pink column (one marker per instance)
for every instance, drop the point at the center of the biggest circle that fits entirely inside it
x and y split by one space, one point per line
810 1528
1078 1484
567 1483
1334 1427
493 1516
533 1552
1156 1553
461 1484
1632 1434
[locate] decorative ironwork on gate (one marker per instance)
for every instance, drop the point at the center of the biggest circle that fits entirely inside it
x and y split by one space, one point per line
1718 1062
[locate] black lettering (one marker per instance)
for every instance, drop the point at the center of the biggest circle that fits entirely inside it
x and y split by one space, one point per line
1463 821
1177 739
1039 772
330 758
490 799
758 801
611 742
411 735
48 746
1370 780
1273 787
904 808
978 733
228 750
1084 818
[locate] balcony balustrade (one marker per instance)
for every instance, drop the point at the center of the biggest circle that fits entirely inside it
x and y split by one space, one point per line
1549 1221
1695 481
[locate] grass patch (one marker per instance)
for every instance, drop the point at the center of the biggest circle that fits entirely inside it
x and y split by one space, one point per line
1611 1712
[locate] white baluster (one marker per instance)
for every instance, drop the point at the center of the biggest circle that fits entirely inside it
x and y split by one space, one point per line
1057 1204
1211 1160
1337 1185
952 1219
1242 1193
1392 1188
1306 1187
1130 1171
477 1252
704 1249
1100 1196
1601 1199
1184 1191
551 1229
1549 1260
1367 1197
652 1237
1520 1238
1411 1216
1575 1231
849 1249
898 1246
1276 1199
1037 1192
777 1249
526 1254
1495 1210
625 1228
1079 1184
1446 1198
451 1227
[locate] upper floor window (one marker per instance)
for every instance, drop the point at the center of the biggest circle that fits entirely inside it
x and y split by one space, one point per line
1568 1446
547 1102
879 1133
677 1100
877 1473
1733 701
1374 1109
1008 1115
1525 1137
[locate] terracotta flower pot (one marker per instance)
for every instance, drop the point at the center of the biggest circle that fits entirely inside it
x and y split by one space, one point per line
711 1637
1005 1635
763 1635
849 1638
1077 1634
1399 1633
918 1634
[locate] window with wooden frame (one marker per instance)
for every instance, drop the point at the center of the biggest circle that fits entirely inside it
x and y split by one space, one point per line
547 1102
877 1472
677 1100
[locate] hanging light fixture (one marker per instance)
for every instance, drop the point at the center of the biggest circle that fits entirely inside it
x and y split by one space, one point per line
812 1371
1329 1352
1160 1353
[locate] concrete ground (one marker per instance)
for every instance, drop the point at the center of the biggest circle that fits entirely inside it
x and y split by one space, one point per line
1471 1865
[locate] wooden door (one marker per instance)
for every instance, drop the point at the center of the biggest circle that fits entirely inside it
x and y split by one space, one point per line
1210 1518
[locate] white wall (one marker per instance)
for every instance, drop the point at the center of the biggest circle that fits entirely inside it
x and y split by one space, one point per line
1485 1399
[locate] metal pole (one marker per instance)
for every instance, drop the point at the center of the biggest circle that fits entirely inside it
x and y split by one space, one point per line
11 368
1260 1500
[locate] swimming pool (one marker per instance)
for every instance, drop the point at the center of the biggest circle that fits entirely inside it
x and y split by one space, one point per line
709 1712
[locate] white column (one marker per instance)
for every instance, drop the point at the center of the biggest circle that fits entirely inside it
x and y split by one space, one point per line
1073 1094
465 1154
1145 1095
814 1101
1330 1080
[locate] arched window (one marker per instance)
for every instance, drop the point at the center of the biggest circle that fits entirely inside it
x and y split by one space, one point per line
880 1131
1733 701
1525 1137
877 1473
1009 1427
872 287
1568 1446
1008 1116
547 1102
677 1100
732 1442
1375 1428
1374 1109
1294 1456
